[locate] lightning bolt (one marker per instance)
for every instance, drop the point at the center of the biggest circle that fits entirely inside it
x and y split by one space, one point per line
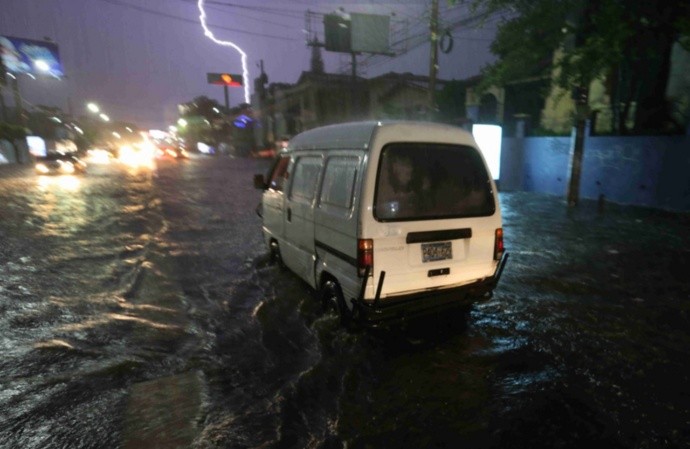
209 34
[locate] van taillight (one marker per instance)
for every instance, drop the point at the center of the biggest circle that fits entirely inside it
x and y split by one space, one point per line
365 256
498 244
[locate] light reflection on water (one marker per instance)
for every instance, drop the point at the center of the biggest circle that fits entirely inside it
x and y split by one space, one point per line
69 183
60 207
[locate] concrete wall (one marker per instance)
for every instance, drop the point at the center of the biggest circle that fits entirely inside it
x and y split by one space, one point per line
646 170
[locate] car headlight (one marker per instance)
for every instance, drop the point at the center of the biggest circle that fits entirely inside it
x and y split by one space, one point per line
67 167
41 168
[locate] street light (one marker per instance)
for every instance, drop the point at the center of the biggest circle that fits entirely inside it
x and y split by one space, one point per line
104 117
182 122
42 65
93 107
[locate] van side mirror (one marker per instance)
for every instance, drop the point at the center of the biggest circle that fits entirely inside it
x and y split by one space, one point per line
260 182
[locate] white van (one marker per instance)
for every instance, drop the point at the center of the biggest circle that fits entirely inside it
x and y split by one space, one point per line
386 219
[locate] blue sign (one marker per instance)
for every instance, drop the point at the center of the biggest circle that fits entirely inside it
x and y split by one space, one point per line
30 56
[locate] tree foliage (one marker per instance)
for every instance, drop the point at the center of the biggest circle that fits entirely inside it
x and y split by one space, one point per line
209 122
628 43
11 132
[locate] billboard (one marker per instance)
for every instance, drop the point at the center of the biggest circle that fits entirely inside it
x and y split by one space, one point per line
29 56
337 33
225 79
370 33
359 33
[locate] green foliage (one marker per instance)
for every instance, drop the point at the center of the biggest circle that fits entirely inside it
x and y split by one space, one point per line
574 42
11 132
451 100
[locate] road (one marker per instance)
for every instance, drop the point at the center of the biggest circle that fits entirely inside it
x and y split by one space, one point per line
138 308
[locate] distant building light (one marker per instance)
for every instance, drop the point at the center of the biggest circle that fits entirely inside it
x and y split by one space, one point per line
157 134
117 135
129 129
182 122
37 146
93 107
104 117
203 148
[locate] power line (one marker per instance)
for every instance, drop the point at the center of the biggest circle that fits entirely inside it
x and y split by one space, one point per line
262 9
183 19
421 39
235 14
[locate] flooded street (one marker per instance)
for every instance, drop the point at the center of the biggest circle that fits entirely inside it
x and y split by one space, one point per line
139 308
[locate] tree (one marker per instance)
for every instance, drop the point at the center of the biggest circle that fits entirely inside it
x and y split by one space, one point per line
578 41
205 121
451 101
627 42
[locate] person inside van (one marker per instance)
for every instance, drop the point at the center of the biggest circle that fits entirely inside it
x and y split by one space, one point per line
395 190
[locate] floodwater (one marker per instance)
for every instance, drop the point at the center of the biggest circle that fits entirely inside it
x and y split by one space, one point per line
138 308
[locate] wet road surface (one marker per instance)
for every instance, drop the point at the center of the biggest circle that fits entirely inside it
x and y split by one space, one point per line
138 308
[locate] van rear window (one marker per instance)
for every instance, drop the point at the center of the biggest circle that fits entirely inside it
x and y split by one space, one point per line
421 181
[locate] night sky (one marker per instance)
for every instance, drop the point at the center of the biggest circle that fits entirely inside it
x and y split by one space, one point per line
138 59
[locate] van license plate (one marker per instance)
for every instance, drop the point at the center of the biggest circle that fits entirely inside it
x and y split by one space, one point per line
432 252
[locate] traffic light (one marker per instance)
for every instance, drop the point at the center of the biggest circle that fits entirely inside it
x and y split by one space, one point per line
225 79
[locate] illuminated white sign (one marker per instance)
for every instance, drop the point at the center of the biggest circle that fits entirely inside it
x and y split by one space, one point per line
489 138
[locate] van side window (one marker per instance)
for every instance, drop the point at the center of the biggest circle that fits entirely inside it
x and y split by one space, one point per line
339 182
304 178
279 173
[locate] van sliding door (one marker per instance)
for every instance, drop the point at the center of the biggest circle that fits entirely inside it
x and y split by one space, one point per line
298 252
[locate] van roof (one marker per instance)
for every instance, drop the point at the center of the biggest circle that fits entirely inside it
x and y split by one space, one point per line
358 135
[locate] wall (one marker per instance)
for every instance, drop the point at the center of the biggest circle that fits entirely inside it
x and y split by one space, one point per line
643 170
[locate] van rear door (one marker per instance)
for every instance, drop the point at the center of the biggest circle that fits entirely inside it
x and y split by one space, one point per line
436 212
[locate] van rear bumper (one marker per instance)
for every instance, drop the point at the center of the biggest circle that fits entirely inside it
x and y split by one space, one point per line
395 309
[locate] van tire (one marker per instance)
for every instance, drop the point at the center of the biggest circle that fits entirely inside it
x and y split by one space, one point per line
332 299
274 253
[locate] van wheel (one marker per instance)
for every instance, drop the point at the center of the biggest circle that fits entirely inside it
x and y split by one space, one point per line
332 300
274 253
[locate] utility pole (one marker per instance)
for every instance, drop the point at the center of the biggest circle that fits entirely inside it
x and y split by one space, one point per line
580 96
354 104
18 102
3 106
433 64
260 90
578 143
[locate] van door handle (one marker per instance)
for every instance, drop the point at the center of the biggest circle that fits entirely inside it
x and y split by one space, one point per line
289 214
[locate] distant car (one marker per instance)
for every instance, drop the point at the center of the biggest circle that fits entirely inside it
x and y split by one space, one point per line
171 152
99 156
59 164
